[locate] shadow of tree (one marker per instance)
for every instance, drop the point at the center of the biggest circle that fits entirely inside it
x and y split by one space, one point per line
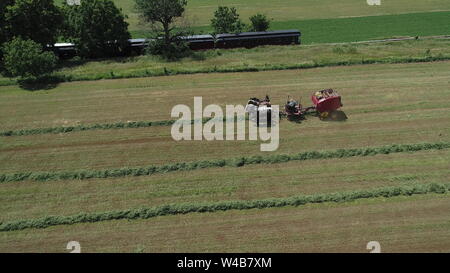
336 116
38 84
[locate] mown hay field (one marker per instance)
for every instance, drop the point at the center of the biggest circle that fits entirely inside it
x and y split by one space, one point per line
385 104
407 100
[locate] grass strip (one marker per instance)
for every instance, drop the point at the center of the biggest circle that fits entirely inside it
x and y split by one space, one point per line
216 163
57 78
174 209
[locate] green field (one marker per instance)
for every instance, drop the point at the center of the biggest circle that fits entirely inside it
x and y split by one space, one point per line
200 12
320 21
385 104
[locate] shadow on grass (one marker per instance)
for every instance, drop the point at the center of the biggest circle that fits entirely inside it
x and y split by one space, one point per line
41 84
336 116
75 62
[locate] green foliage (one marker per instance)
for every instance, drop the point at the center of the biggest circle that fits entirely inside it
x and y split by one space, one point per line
97 27
37 20
3 29
260 22
180 70
231 162
161 11
226 20
162 15
174 209
172 51
26 59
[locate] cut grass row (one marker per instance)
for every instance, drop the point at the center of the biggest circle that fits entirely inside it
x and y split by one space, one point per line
233 162
174 209
105 126
29 199
418 223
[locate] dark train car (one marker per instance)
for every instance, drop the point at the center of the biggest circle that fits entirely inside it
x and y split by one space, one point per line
253 39
136 46
64 50
200 42
195 42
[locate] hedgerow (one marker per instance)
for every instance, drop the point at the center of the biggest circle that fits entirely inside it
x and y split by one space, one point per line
245 68
174 209
217 163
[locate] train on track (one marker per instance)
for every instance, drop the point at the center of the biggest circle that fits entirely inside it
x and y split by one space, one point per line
200 42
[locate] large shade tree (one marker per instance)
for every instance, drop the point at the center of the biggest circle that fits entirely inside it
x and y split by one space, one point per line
97 27
162 14
37 20
27 59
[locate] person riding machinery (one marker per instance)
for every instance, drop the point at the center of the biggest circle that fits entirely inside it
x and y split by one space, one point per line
292 106
261 105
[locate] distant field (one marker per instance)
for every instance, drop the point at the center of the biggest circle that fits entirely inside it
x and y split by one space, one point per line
358 28
304 15
200 12
353 29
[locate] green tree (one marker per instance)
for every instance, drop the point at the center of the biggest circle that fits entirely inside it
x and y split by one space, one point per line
260 22
162 14
3 29
37 20
97 27
226 20
27 60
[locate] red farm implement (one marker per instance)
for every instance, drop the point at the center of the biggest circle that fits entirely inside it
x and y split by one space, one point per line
326 102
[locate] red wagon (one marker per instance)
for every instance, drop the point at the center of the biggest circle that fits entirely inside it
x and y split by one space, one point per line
326 101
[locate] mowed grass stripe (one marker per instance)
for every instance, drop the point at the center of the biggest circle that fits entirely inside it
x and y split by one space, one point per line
231 162
174 209
138 100
105 126
418 223
30 200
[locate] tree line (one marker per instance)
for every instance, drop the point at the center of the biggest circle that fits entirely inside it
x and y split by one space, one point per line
29 29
